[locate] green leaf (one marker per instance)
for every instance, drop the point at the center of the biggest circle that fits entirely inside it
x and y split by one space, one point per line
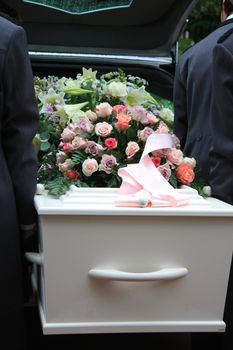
58 186
80 183
44 135
76 91
150 98
45 146
173 180
74 108
78 157
132 133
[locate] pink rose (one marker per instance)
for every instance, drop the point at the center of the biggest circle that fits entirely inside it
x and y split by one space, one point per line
162 129
131 149
79 143
156 161
103 110
66 165
93 148
175 156
82 125
92 116
119 109
103 129
138 113
165 171
123 121
61 157
176 141
145 133
110 143
72 174
107 163
89 166
149 118
185 174
67 135
67 147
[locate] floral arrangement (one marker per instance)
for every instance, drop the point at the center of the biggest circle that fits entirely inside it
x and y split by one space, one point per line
90 127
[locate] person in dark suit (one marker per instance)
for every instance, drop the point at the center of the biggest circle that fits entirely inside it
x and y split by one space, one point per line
203 101
18 168
221 153
193 94
221 118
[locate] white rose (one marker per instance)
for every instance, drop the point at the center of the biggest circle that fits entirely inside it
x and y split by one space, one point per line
89 166
191 161
40 189
207 190
103 129
117 89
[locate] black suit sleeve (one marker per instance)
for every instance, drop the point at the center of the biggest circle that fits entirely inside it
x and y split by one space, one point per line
20 123
221 155
180 107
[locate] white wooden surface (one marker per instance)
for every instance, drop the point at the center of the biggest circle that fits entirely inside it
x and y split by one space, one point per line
85 232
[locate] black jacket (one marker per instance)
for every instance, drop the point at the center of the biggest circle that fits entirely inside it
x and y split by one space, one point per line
221 121
18 167
193 96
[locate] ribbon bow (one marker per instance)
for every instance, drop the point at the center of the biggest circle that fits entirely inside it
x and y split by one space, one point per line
143 185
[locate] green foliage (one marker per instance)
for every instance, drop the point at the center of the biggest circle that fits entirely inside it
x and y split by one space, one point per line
58 186
204 19
184 44
164 103
47 171
78 157
173 180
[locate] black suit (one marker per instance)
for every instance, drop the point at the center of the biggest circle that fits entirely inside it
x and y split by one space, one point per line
18 167
193 94
221 171
221 154
203 98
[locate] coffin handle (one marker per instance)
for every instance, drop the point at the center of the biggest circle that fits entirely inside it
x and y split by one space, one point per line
35 258
160 275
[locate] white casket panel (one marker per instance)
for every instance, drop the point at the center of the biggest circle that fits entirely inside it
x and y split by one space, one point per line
178 259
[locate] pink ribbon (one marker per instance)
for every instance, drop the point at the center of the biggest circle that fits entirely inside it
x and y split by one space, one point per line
142 183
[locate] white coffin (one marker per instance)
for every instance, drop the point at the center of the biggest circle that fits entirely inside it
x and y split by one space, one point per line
106 269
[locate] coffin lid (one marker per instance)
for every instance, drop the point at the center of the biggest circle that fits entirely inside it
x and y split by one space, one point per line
144 28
